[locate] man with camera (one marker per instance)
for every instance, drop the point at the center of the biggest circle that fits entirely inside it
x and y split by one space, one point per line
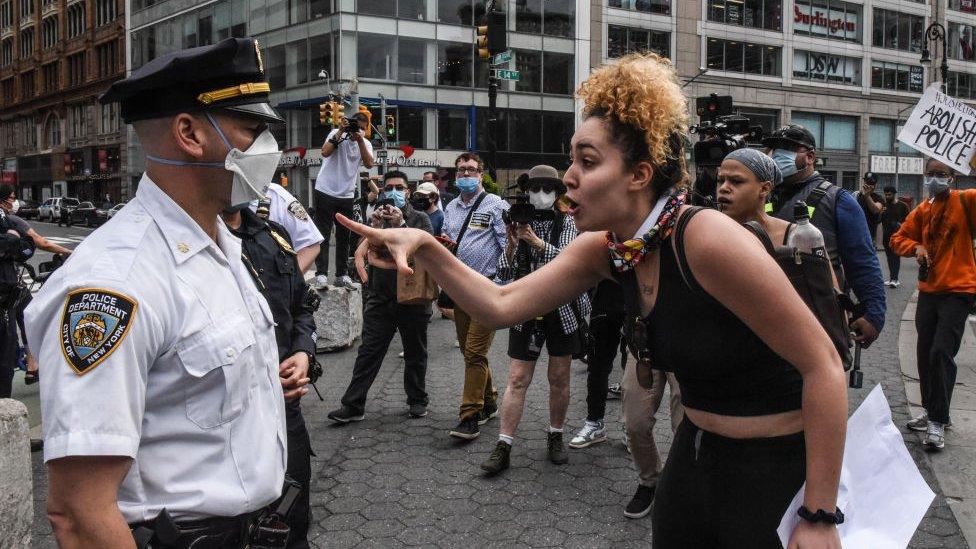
838 216
344 151
939 234
870 202
383 315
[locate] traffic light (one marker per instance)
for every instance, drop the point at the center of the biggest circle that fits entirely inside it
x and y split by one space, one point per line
338 113
326 113
369 120
390 128
491 37
713 106
482 41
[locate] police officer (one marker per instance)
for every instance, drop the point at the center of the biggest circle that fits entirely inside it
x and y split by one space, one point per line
15 247
284 209
273 263
161 399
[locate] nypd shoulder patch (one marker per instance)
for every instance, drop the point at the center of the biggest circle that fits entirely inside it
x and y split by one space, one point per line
296 209
93 324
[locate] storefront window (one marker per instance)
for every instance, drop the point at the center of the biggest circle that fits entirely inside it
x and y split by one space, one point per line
624 40
897 31
662 7
557 131
411 126
827 19
823 67
961 42
744 57
452 129
757 14
526 131
502 129
897 76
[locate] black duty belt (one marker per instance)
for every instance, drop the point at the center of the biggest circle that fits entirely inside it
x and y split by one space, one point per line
211 533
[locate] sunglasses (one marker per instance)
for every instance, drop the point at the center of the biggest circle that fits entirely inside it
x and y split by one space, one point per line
541 187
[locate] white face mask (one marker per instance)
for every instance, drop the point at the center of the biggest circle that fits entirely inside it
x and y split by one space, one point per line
252 169
936 185
542 200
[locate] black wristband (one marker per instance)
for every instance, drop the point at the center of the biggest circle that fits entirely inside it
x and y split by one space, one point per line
836 517
335 142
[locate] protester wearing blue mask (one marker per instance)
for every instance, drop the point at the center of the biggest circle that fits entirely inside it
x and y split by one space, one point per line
838 216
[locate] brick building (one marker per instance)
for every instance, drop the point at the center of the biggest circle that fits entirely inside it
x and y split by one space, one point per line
56 58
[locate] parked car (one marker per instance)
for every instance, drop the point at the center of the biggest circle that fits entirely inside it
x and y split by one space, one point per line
27 209
115 209
86 214
54 209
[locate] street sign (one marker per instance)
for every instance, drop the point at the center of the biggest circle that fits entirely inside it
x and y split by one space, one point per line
503 57
506 75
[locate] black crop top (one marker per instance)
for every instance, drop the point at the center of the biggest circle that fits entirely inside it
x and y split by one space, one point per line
722 366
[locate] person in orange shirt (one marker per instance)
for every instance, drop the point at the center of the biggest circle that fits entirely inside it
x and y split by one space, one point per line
939 234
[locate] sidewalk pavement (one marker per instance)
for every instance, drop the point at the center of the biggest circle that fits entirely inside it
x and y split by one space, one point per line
391 481
955 466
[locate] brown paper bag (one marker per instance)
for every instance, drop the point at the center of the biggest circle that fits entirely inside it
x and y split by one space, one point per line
416 289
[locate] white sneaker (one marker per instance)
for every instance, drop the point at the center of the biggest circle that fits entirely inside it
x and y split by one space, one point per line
345 282
400 355
321 281
591 433
895 283
889 284
935 436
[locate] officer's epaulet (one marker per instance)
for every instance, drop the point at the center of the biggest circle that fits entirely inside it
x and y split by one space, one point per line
278 233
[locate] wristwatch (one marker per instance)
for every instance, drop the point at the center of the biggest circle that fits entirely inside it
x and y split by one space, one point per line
836 517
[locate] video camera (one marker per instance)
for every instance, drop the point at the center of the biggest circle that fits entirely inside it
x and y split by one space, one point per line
521 211
720 132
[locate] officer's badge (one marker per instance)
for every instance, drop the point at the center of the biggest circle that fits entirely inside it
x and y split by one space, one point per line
93 324
257 52
298 211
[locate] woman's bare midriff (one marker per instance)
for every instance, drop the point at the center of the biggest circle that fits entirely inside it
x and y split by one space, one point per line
773 425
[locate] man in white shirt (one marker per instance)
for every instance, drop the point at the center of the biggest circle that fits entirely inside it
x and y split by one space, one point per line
287 211
343 153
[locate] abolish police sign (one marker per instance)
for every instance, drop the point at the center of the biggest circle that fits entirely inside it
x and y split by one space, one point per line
943 128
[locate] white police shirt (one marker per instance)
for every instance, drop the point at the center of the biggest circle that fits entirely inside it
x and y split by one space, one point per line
156 345
288 212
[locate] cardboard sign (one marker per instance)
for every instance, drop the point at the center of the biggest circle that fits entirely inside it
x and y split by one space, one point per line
943 128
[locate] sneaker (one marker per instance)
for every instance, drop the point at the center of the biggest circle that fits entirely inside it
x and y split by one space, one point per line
498 460
555 450
935 436
640 505
466 429
345 414
591 433
400 355
613 392
895 283
345 282
321 281
418 410
920 423
487 412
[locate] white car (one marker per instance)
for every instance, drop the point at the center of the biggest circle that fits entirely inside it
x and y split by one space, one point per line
51 209
115 209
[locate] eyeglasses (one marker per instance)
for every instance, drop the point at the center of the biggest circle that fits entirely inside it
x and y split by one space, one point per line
466 171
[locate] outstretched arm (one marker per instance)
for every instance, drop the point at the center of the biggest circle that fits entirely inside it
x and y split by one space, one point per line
578 268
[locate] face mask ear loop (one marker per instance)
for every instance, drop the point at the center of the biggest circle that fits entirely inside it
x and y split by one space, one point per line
219 132
169 162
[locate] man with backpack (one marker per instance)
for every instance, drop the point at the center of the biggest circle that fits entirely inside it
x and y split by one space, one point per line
939 234
837 214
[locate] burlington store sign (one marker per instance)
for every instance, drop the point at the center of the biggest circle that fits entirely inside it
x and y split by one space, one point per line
832 23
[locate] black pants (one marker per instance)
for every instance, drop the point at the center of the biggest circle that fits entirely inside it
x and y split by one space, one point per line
939 320
8 352
382 317
717 492
325 209
894 260
605 330
299 468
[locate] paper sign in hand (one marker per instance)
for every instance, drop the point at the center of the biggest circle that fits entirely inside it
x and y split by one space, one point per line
882 494
944 128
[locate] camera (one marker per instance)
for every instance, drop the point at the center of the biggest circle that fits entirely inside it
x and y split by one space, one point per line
923 272
521 211
720 132
353 125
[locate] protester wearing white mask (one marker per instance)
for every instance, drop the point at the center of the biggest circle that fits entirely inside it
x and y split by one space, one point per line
160 301
530 246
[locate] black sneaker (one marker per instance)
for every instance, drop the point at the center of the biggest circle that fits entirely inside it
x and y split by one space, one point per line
345 414
466 429
555 450
418 410
487 412
640 505
498 460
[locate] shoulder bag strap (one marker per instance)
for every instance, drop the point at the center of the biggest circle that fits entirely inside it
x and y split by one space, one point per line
817 194
678 246
467 221
760 232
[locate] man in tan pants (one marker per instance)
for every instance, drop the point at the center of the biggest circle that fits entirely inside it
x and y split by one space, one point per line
639 407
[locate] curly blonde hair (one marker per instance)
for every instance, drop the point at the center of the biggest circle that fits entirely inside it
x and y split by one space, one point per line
641 91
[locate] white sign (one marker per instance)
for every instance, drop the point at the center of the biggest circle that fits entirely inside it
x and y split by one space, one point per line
943 128
906 165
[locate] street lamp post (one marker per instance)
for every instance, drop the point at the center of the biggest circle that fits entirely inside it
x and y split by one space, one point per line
937 33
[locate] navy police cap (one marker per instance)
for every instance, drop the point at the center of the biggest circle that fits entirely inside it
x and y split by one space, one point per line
228 75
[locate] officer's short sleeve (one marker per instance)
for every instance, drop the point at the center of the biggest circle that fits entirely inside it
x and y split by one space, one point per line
288 212
95 344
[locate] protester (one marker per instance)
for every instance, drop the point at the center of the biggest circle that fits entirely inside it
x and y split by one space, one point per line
894 214
383 316
427 199
474 225
871 203
344 151
939 234
837 215
759 393
745 180
441 180
529 247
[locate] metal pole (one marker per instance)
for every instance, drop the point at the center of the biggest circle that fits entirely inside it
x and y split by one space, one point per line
492 126
380 168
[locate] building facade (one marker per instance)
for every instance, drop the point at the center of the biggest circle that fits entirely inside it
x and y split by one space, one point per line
849 71
419 55
56 58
